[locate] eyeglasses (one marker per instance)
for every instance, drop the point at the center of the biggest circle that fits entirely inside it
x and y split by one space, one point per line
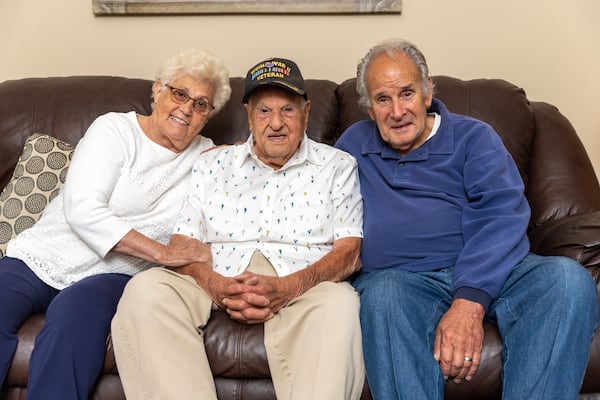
180 96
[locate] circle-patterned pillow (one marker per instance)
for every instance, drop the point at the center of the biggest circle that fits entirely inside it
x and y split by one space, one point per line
37 179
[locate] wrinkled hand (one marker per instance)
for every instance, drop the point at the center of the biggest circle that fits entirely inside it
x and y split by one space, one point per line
257 298
184 250
220 288
458 335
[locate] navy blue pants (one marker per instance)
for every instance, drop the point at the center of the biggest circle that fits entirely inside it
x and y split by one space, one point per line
69 351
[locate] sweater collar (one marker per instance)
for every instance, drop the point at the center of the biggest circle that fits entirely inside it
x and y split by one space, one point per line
440 143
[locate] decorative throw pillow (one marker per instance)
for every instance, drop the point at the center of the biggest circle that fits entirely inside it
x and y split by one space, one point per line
38 176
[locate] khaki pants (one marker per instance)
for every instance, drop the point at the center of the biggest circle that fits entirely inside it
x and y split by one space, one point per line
313 345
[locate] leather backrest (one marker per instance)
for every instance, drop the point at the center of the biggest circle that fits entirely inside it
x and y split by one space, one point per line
61 107
231 123
559 177
499 103
64 107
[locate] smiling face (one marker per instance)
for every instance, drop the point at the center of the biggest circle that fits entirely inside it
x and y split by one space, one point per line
398 103
174 125
277 120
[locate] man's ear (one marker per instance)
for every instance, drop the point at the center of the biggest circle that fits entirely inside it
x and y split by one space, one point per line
247 108
371 113
429 98
306 113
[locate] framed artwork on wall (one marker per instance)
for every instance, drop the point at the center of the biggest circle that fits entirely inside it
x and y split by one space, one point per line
142 7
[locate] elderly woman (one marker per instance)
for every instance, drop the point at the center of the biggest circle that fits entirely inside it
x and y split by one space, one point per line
112 219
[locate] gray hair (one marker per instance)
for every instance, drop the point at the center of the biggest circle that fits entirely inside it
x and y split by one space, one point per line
393 48
200 65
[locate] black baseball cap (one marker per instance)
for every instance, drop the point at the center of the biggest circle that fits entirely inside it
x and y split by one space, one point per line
277 72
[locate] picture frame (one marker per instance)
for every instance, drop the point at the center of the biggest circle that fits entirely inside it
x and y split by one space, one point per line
165 7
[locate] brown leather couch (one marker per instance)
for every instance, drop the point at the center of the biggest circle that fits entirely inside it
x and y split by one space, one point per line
561 187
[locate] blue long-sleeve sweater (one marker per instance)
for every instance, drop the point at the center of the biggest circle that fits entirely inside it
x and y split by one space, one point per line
456 201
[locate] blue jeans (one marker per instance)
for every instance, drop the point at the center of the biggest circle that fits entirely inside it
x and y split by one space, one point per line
546 314
69 351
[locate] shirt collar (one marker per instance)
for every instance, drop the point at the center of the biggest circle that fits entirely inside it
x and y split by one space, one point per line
305 153
440 140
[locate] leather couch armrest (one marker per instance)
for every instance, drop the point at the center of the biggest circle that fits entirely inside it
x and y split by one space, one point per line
576 236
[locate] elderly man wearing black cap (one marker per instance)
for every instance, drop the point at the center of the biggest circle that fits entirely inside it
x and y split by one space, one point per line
283 214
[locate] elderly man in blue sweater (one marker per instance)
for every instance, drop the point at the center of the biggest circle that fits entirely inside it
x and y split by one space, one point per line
445 246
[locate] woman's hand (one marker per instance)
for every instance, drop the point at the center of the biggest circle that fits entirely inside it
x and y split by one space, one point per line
184 250
180 251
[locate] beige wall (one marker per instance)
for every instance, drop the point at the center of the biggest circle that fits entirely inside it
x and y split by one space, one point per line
551 48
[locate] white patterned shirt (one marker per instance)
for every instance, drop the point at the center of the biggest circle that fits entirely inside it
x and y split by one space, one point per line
292 215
